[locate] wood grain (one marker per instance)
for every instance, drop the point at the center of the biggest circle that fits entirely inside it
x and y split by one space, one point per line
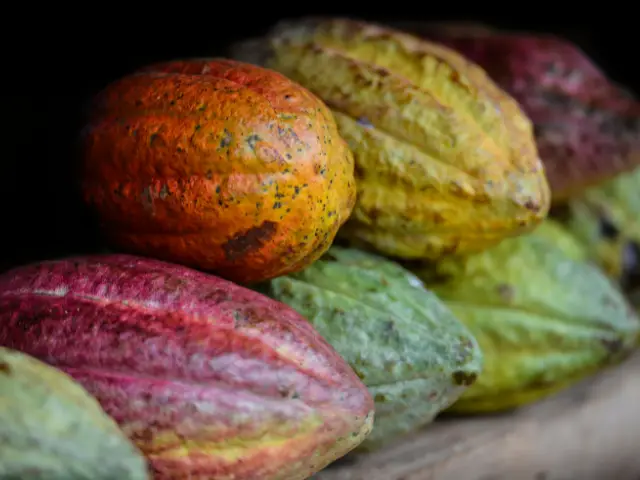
588 432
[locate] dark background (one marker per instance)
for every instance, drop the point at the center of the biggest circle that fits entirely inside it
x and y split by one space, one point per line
63 58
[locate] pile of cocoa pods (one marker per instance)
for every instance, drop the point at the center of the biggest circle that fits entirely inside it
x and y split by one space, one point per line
318 245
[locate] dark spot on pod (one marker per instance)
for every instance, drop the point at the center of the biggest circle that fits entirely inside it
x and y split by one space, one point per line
155 140
451 248
531 205
379 397
5 368
630 266
608 229
374 213
252 239
252 140
383 72
226 139
506 292
216 297
246 317
464 378
362 121
613 346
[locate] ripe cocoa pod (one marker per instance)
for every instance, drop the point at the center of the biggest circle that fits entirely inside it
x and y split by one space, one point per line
445 160
415 357
217 165
209 379
542 319
587 128
606 219
52 429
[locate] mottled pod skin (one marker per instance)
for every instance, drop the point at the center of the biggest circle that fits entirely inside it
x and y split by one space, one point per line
209 379
52 429
404 343
606 219
543 317
587 128
218 165
445 160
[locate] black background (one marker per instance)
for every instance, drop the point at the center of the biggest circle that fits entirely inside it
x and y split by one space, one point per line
57 60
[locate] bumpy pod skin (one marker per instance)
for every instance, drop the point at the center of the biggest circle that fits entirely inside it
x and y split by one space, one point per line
217 165
445 160
606 219
543 320
415 357
52 429
587 128
209 379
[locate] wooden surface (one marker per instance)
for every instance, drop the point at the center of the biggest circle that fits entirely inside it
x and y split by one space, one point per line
589 432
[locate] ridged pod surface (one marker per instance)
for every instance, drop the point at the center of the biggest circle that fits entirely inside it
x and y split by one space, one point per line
587 128
52 429
407 347
217 165
445 160
209 379
543 320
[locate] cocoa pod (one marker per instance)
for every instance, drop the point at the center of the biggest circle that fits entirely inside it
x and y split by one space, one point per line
413 354
217 165
52 429
543 318
606 219
446 161
587 128
209 379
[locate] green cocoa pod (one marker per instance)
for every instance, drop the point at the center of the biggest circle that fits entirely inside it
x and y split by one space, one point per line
606 219
563 239
543 319
408 348
52 429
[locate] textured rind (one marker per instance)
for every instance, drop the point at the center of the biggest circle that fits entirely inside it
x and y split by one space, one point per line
606 219
542 319
445 160
209 379
52 429
415 357
587 128
218 165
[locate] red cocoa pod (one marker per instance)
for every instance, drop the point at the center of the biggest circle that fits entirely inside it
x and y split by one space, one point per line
209 379
587 127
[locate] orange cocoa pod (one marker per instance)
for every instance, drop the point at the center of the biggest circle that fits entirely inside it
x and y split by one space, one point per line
217 165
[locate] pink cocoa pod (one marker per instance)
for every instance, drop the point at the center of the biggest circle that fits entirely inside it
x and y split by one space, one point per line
587 128
209 379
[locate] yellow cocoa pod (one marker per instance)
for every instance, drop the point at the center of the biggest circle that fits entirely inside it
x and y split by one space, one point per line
543 318
446 161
